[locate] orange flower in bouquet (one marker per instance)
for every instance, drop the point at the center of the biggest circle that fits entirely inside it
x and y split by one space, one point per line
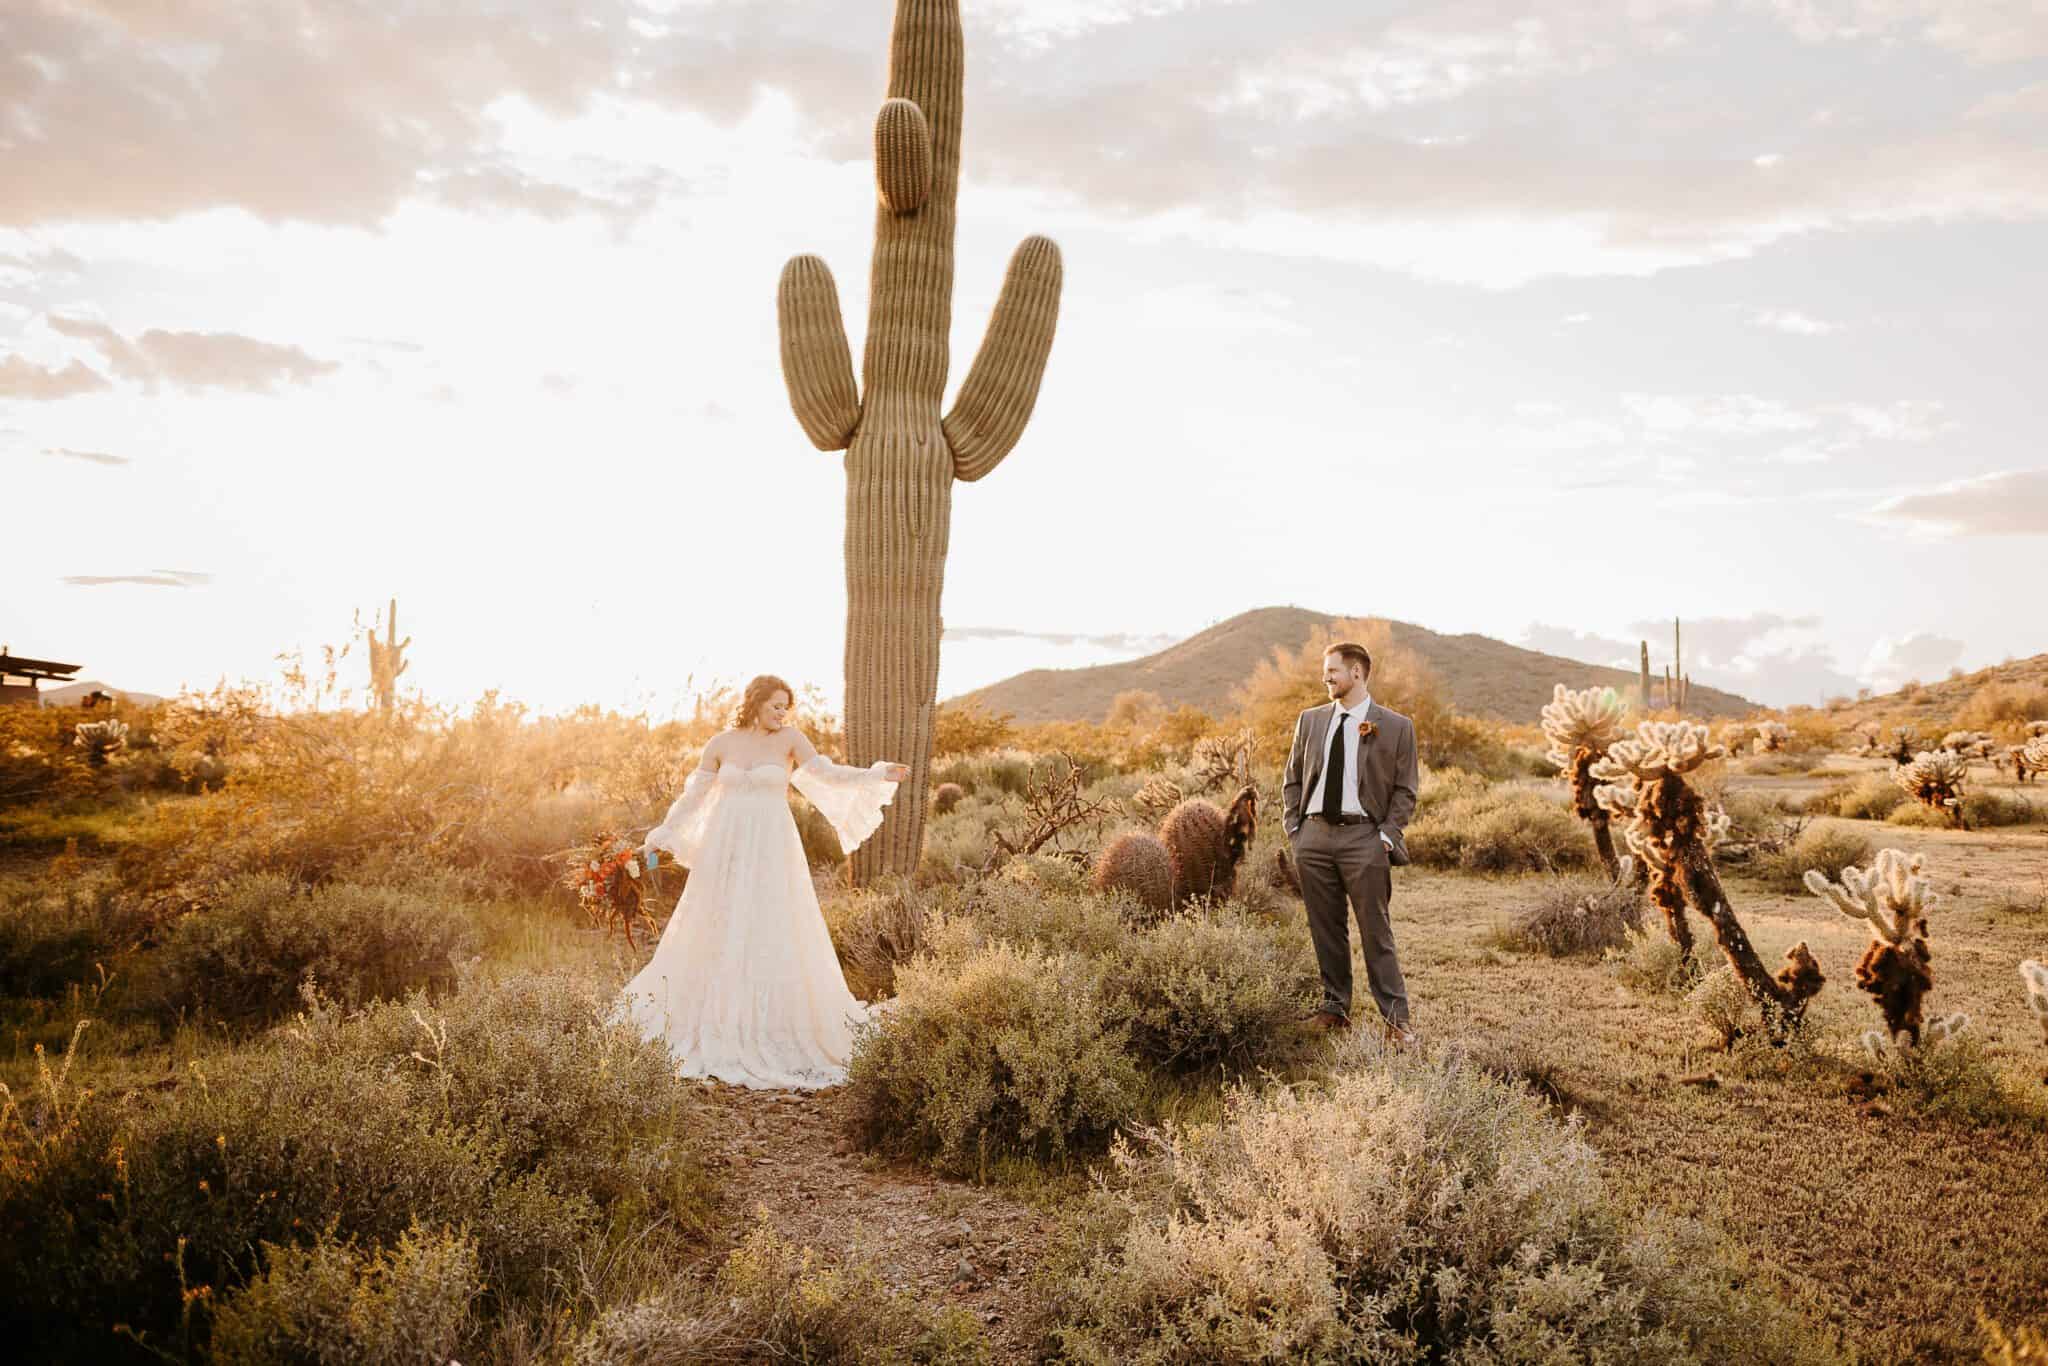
610 883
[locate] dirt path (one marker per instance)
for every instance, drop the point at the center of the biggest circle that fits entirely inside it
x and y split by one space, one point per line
946 1242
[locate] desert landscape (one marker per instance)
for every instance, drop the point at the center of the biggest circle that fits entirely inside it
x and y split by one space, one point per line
304 1034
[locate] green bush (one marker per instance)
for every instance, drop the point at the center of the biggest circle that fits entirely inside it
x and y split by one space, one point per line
244 957
1824 845
998 1051
50 939
1200 991
1575 915
1984 810
515 1112
334 1304
1500 829
875 930
1408 1210
999 910
774 1302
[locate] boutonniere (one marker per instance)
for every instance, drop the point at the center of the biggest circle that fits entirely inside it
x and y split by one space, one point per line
1366 730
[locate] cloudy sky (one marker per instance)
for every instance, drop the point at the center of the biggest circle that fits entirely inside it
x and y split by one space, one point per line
1548 319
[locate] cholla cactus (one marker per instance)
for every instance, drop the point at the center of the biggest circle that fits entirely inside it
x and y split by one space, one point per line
100 740
2032 757
1935 779
902 456
1643 780
2034 973
1971 744
1892 897
1157 797
1220 760
1768 737
1901 745
1580 726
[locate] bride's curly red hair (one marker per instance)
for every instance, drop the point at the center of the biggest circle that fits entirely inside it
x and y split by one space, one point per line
756 696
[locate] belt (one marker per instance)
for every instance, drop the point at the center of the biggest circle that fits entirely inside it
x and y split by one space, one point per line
1346 819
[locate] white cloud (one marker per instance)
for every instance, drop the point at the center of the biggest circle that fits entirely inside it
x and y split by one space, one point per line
2010 503
1792 321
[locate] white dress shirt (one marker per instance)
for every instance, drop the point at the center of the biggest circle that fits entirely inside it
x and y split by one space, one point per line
1349 803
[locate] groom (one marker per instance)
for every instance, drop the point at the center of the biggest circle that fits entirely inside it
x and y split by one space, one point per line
1355 761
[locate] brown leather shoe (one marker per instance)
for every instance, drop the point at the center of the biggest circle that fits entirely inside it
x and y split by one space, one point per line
1324 1021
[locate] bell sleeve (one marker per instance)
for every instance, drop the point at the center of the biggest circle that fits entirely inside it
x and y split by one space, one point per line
851 799
681 832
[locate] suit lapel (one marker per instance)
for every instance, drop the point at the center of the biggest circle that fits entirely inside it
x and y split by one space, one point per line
1366 747
1319 750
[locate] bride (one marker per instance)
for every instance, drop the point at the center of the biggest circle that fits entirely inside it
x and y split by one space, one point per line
745 985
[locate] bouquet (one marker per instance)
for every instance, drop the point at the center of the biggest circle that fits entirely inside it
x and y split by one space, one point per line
607 878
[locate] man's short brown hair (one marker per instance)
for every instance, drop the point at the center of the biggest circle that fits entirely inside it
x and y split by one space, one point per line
1353 653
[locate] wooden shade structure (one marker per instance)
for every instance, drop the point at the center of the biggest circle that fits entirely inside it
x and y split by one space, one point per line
21 679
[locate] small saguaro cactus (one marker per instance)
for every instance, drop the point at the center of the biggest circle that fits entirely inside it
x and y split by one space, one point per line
901 455
1892 897
1580 726
387 660
1935 779
1674 831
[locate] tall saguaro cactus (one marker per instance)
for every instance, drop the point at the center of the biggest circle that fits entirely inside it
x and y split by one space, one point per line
901 455
387 661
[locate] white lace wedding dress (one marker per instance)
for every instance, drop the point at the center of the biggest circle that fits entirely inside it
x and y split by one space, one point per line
745 985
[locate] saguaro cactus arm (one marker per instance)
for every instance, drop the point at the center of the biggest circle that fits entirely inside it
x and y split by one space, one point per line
903 156
989 414
817 364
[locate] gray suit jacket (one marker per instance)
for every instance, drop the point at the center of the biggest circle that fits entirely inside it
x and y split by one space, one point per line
1387 772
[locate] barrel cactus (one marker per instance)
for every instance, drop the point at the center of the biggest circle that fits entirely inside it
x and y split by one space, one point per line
1208 843
946 796
1137 863
901 455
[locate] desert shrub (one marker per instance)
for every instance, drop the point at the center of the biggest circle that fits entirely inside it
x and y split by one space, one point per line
820 840
1649 962
1502 829
1825 845
1954 1079
244 957
1575 915
516 1114
1216 990
1720 1002
1005 1051
875 929
2003 707
335 1304
775 1302
1983 810
1003 911
1870 798
1047 874
1440 785
1465 1223
968 728
51 937
1001 770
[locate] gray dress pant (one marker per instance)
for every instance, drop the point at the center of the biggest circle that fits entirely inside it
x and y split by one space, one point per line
1348 863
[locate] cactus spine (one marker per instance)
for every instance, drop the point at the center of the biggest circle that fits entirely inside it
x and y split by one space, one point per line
387 661
901 455
1580 725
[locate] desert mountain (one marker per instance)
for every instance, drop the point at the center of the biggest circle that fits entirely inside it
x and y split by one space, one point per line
1935 705
1481 676
73 694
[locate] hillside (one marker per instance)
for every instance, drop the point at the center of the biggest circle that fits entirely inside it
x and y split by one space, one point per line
1482 676
1935 705
72 694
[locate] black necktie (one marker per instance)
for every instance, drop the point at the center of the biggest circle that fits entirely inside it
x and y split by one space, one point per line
1333 772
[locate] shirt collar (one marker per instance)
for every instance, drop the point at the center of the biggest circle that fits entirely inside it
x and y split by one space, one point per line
1357 710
